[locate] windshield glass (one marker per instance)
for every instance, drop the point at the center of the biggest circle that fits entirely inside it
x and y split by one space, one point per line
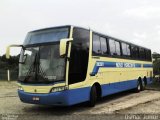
41 64
44 36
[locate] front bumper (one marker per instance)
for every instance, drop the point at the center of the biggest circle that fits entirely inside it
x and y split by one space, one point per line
56 98
63 98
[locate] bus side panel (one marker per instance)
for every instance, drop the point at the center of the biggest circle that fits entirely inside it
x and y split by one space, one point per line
78 95
108 89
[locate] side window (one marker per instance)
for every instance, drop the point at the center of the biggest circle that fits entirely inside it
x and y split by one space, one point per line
118 50
104 49
135 52
148 55
126 49
142 53
114 47
96 45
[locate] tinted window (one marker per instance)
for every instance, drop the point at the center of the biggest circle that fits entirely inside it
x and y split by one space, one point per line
148 55
126 49
118 50
103 42
135 52
142 53
96 45
79 56
114 47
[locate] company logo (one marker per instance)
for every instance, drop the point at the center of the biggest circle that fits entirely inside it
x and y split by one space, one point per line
35 90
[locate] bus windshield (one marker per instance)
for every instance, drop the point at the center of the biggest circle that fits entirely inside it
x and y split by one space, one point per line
44 36
40 61
41 64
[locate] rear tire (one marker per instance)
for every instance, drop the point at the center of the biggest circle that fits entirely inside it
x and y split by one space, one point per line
144 83
139 86
93 96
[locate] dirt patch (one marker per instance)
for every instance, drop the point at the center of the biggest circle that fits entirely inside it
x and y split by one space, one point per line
125 102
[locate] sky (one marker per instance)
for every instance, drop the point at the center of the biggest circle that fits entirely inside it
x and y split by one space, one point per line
136 21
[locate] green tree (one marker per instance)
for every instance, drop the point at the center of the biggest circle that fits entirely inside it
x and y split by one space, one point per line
156 63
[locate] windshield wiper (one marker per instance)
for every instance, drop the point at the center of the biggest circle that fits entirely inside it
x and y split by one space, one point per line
37 69
31 69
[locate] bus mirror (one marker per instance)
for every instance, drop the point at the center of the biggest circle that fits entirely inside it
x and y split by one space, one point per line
63 46
8 50
24 59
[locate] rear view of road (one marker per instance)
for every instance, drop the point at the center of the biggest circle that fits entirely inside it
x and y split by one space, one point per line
145 102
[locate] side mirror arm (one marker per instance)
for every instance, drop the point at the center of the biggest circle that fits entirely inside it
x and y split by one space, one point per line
8 50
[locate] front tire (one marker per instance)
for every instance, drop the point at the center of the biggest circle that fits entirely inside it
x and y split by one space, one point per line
93 96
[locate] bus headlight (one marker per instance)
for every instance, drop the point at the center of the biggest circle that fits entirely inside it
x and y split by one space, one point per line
58 89
20 88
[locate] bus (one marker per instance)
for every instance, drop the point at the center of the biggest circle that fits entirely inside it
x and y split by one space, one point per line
67 65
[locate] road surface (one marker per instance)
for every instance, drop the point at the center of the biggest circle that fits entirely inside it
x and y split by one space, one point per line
114 106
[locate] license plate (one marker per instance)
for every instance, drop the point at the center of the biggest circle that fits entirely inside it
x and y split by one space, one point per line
35 98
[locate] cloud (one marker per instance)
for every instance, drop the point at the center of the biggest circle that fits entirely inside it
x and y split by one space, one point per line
158 32
140 35
135 21
157 27
144 12
137 41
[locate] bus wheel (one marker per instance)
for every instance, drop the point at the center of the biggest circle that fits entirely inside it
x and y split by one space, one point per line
93 96
139 86
144 83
